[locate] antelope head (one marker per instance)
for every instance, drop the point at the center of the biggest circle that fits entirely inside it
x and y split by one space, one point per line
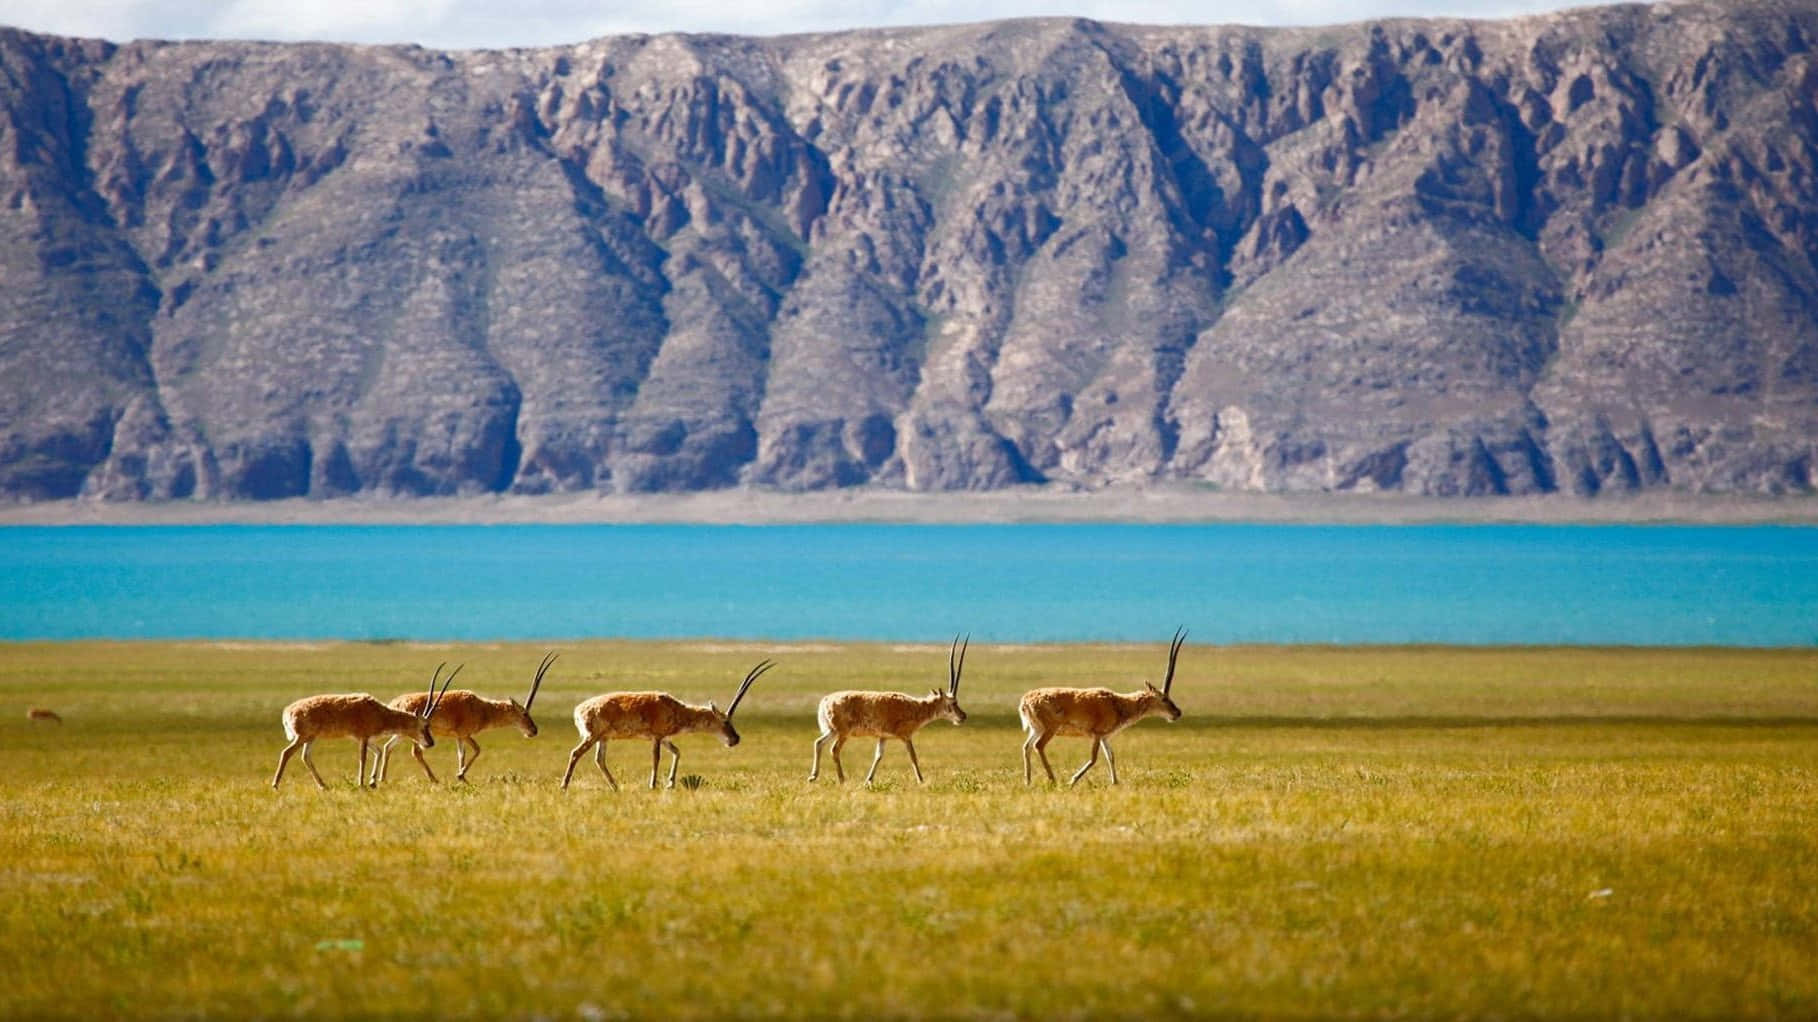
525 724
947 704
1163 697
423 737
728 733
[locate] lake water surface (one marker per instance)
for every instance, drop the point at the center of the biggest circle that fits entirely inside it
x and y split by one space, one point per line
1467 584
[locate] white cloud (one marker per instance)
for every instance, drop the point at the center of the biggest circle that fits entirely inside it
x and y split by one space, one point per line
369 20
489 23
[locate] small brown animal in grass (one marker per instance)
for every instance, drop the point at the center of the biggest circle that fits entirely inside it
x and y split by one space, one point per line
358 716
885 715
42 715
1095 713
461 715
657 716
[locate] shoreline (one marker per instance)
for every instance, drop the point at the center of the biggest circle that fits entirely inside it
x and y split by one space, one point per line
1031 505
827 645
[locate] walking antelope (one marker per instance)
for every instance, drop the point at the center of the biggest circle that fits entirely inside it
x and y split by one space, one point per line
461 715
1095 713
885 715
360 717
657 716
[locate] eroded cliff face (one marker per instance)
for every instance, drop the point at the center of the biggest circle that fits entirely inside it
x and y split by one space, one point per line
1570 253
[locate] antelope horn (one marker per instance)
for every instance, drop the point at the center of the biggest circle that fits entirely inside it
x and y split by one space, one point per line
745 685
436 698
437 676
542 669
954 670
1180 637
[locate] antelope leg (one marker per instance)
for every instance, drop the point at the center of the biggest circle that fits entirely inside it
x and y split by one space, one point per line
1110 760
875 760
283 758
815 771
380 758
573 758
1090 760
913 764
675 760
416 753
839 768
462 775
599 760
311 764
1041 749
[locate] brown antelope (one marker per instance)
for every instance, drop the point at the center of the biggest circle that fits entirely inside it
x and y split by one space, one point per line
461 715
885 715
657 716
1095 713
360 717
42 715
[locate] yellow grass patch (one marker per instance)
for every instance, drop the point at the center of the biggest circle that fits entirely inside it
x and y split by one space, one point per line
1405 832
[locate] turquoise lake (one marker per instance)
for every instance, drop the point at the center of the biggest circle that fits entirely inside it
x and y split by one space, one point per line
1468 584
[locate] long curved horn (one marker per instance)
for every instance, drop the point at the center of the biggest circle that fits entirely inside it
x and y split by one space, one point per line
745 685
1180 636
436 698
954 669
542 669
429 703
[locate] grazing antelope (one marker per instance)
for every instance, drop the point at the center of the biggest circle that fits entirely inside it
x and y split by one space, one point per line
657 716
885 715
1095 713
40 714
360 717
460 715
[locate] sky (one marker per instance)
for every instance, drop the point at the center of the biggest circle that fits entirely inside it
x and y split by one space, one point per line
472 24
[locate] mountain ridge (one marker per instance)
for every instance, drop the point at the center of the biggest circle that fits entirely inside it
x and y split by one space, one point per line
1567 253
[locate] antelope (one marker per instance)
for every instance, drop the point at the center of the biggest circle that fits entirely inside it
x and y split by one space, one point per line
462 714
1095 713
358 716
885 715
657 716
42 715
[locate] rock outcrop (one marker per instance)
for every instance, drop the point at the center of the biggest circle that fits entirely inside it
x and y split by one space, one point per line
1571 253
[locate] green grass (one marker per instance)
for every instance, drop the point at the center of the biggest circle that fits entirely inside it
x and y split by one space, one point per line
1328 832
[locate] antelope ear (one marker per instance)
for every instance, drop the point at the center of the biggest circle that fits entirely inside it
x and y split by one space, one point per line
934 691
712 706
1150 685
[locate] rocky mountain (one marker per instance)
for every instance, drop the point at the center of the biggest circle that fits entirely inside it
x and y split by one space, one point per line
1568 253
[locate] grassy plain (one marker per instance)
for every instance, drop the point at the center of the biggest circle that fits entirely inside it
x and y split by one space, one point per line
1328 833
